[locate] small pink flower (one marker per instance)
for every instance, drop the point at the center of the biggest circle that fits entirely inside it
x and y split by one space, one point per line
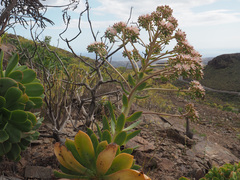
178 66
162 23
186 67
169 26
134 29
112 30
193 66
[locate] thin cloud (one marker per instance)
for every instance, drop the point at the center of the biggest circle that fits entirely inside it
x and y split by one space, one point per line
183 11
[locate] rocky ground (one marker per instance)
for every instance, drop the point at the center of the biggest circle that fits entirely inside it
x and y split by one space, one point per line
164 152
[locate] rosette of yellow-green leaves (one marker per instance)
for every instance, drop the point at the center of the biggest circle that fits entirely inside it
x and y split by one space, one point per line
86 158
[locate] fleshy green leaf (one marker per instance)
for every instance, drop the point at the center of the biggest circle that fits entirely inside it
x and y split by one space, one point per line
101 146
71 147
1 63
25 141
99 132
89 132
24 99
11 64
141 97
14 133
34 89
28 76
113 119
110 107
67 171
105 123
125 100
21 87
5 147
2 101
21 68
124 88
3 136
132 135
29 105
16 75
128 150
120 122
132 126
14 153
5 84
106 136
12 95
140 76
94 140
141 86
25 127
134 116
120 138
38 101
68 176
131 80
38 124
18 116
136 167
32 118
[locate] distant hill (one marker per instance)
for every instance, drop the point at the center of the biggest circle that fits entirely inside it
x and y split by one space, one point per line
223 72
206 60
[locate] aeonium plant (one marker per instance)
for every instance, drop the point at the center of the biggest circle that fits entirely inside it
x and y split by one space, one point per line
89 156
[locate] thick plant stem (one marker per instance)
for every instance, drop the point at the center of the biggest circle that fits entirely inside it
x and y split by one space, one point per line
130 102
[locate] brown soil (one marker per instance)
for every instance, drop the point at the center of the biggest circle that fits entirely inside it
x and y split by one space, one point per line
165 153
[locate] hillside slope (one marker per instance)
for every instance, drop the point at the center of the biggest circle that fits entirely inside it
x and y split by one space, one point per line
222 72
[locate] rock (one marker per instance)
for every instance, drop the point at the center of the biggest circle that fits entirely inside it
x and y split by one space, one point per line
146 160
218 154
46 141
36 142
8 178
38 172
190 153
197 171
143 144
167 178
178 137
166 165
180 146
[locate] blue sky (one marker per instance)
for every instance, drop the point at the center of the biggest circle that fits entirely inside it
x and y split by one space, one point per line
212 26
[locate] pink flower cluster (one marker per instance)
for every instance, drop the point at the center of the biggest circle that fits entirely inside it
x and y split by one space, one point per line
187 64
112 31
130 32
192 112
160 19
119 26
133 30
97 47
197 89
165 10
145 21
180 35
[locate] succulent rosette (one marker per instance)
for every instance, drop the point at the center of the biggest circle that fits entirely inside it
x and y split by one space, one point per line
86 158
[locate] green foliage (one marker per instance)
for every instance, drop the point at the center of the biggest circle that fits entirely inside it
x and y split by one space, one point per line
19 93
226 172
95 160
